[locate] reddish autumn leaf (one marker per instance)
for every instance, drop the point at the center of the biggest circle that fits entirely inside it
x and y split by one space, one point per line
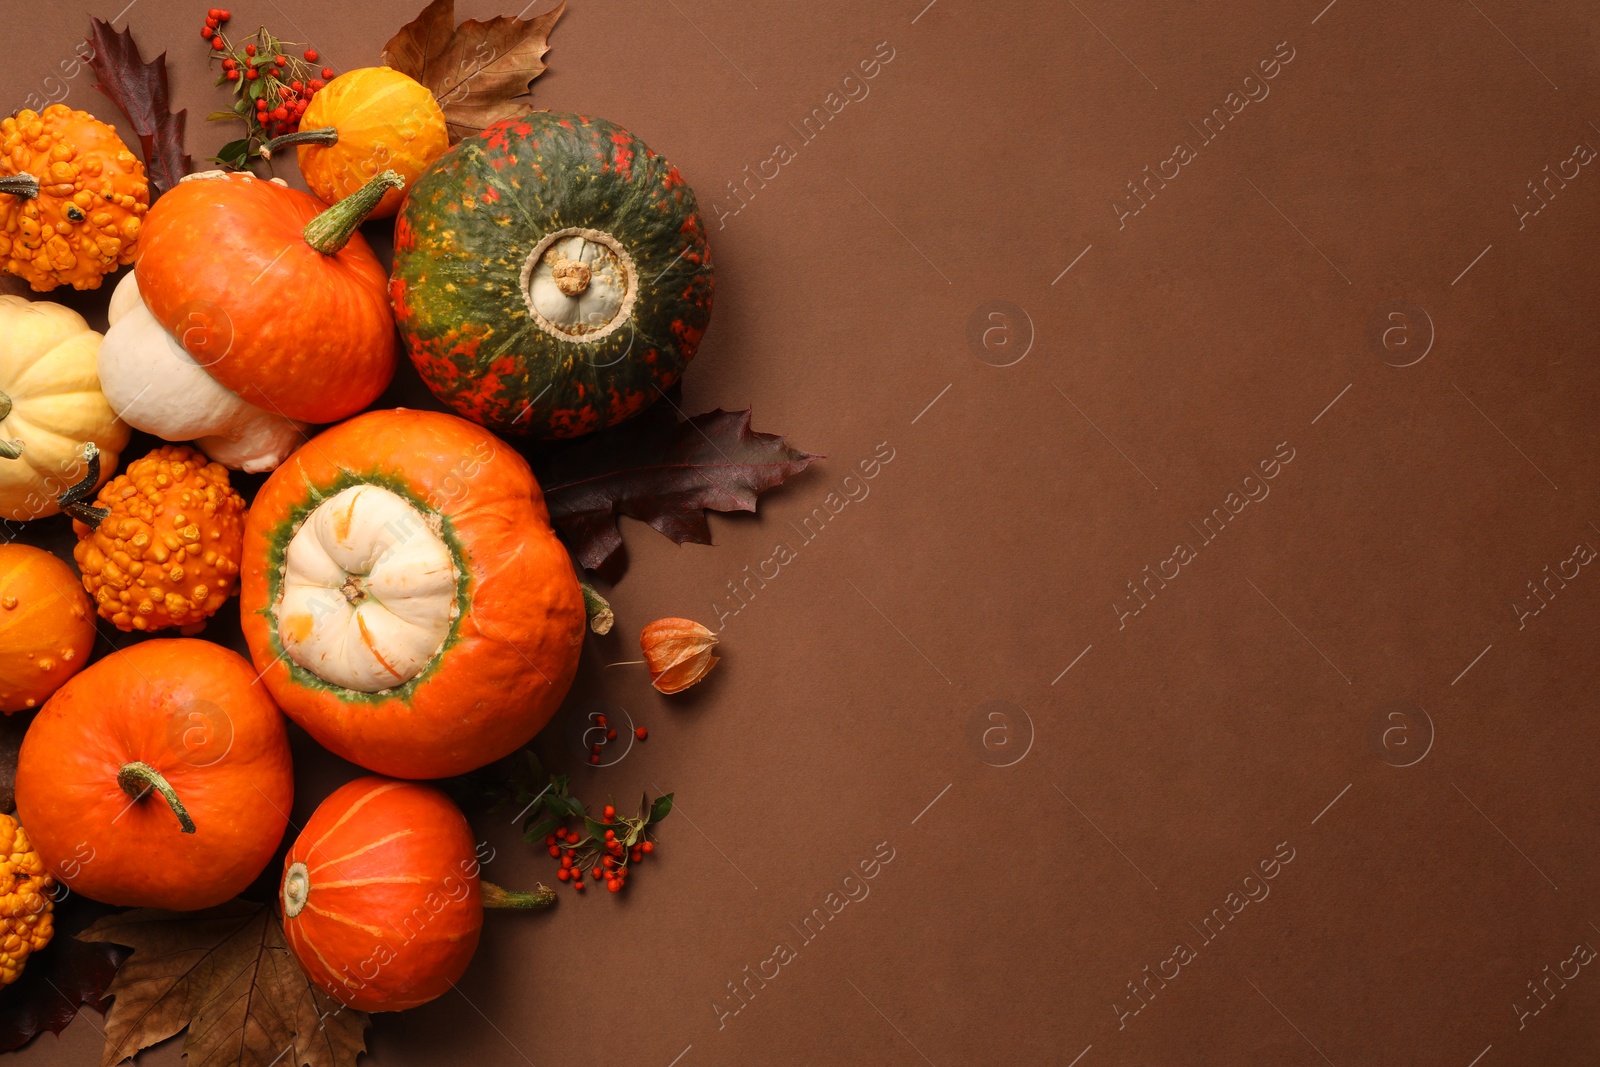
140 90
59 978
663 472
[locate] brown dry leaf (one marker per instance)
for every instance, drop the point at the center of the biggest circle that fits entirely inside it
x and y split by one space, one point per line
480 72
228 975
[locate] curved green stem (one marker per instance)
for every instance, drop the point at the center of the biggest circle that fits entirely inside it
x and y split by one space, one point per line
23 185
332 230
327 135
73 499
601 618
138 778
498 897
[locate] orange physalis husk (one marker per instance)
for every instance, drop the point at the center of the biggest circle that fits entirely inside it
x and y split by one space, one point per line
678 653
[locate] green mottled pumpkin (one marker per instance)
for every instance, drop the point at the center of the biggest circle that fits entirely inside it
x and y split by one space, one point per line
551 275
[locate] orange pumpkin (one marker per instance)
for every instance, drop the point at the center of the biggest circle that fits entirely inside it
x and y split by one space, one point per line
405 598
158 777
273 293
46 626
381 899
363 122
72 198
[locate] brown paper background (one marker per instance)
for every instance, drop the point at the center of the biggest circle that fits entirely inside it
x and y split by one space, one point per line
1245 707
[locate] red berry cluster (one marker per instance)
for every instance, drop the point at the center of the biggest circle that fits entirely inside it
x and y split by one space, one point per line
610 735
274 86
605 857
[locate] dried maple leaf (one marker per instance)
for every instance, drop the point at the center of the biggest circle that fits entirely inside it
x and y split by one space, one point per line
667 473
480 72
58 978
140 90
228 975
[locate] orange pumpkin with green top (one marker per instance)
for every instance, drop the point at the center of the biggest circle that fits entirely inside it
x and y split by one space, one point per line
158 777
405 598
273 293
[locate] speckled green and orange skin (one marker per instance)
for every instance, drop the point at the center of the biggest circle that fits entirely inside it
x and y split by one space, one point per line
470 223
512 650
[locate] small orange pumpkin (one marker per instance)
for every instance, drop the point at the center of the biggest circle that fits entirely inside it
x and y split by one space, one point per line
272 292
46 626
381 899
74 198
159 777
363 122
405 598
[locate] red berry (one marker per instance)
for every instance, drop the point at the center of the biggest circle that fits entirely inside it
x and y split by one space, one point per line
249 49
327 72
555 850
252 74
608 863
279 60
614 885
316 84
223 15
563 874
594 759
649 846
214 13
311 55
596 872
636 855
611 735
550 839
641 733
600 720
230 64
207 32
296 86
566 862
594 749
280 113
233 75
611 835
577 883
216 42
610 811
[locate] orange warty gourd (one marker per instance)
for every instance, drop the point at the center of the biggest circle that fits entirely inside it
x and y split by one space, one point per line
272 292
46 626
158 777
72 198
362 122
162 547
404 595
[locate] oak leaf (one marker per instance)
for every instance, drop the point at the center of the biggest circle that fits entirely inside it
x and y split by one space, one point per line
140 90
228 975
664 472
480 72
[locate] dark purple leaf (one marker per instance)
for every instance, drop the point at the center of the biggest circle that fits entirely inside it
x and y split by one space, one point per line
663 472
64 974
140 90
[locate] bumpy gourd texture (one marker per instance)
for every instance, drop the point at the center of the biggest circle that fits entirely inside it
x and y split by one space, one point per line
26 922
168 554
91 204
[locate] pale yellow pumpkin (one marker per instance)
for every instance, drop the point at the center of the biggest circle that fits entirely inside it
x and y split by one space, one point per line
50 406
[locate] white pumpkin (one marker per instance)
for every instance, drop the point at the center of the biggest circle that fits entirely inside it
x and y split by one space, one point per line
159 388
51 405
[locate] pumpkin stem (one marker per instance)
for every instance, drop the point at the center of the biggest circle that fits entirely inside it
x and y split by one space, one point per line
23 185
601 618
327 135
138 778
497 897
72 500
332 230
